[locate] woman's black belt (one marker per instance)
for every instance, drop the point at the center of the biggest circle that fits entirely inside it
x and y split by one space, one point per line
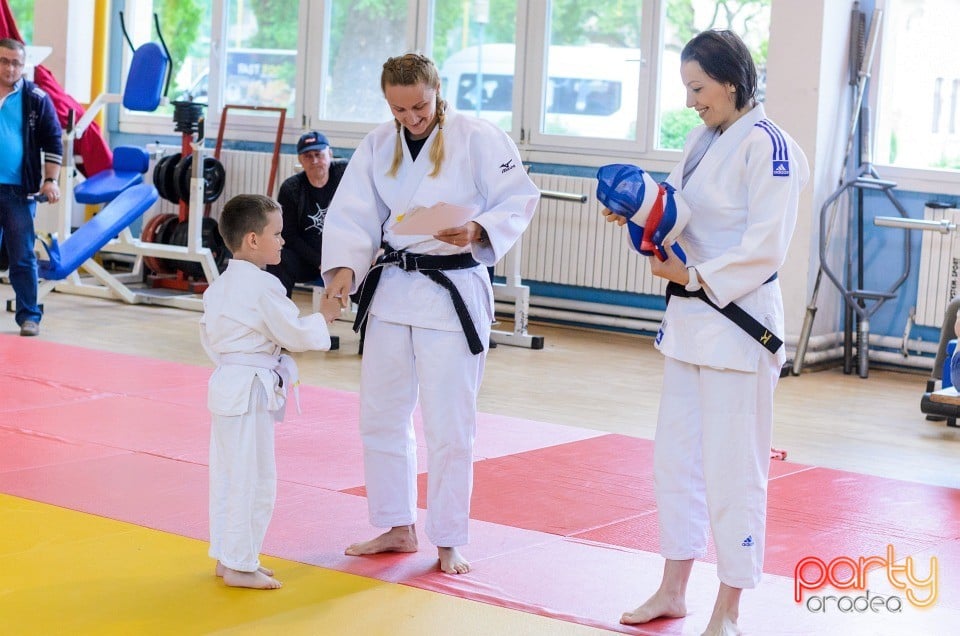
431 266
754 328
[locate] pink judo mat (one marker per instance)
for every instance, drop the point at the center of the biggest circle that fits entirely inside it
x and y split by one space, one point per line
564 520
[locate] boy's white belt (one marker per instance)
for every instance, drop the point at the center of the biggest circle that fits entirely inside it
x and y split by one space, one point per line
283 365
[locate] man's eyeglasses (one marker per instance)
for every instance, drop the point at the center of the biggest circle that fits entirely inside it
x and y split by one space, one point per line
13 63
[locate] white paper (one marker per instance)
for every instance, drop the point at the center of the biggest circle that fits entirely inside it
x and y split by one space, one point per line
438 216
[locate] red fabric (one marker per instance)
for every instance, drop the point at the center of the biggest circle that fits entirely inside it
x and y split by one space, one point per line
653 222
91 147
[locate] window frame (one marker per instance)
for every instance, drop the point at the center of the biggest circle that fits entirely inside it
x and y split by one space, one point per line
530 70
533 60
242 127
943 180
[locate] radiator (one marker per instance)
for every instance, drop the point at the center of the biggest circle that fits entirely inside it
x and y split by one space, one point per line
569 243
939 268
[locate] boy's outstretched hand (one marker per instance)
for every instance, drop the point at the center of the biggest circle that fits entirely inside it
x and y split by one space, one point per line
330 308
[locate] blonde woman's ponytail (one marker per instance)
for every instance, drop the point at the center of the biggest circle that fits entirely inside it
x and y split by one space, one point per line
436 148
397 151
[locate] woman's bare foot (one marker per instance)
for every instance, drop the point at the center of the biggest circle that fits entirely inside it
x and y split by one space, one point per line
669 601
399 539
724 627
726 611
660 605
253 580
452 562
221 569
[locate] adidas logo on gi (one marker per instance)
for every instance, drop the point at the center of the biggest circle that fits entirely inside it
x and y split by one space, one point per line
781 169
748 542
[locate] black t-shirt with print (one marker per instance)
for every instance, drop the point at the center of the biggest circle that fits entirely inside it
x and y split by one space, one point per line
304 210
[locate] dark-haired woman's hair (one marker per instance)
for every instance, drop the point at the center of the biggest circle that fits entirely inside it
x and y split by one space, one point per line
723 56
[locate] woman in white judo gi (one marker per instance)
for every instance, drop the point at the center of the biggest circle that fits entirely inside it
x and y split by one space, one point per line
741 176
247 318
427 325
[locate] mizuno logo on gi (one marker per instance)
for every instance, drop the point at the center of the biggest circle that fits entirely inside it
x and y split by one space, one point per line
508 166
781 169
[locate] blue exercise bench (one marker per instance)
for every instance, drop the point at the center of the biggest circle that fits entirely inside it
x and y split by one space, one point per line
130 163
64 258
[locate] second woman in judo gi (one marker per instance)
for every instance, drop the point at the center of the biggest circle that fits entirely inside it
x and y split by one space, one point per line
741 177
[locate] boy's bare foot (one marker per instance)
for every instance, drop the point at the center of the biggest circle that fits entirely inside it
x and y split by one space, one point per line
253 580
660 605
399 539
221 569
452 562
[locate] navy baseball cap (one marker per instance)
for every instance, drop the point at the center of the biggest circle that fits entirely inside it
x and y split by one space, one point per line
312 140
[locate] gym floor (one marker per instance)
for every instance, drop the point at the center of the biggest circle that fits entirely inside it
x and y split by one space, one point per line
103 442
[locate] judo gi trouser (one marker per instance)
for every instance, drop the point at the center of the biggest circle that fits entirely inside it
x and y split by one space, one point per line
711 461
243 483
401 363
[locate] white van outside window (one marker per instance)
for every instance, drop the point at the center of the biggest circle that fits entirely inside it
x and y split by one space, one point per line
479 80
591 90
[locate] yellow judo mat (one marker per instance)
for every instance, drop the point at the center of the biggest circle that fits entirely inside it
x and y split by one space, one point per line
67 572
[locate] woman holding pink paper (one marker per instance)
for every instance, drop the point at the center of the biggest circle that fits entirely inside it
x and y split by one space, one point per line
426 303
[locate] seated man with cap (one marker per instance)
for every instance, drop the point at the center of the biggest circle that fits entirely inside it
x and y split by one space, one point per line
304 198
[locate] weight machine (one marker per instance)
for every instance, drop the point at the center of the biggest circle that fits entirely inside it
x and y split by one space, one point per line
127 198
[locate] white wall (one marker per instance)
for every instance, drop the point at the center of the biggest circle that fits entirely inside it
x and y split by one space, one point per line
67 26
808 95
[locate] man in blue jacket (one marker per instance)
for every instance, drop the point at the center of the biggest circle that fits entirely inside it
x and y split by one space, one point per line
30 136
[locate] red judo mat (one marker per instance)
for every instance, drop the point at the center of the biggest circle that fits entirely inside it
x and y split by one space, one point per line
564 518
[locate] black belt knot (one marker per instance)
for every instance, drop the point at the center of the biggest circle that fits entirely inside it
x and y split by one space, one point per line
414 262
754 328
431 266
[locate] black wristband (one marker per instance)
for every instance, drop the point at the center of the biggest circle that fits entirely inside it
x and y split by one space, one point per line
49 180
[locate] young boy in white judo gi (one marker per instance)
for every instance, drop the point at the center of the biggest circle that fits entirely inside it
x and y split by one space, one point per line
247 319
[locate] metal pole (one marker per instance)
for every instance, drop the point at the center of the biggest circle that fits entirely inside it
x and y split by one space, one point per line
943 226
